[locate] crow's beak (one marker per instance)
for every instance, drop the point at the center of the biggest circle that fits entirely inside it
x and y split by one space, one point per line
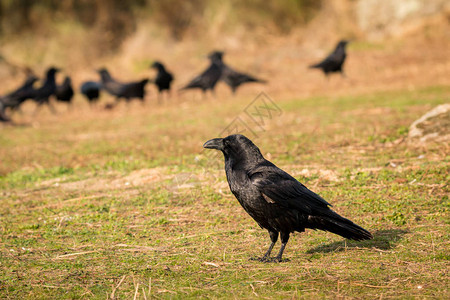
214 144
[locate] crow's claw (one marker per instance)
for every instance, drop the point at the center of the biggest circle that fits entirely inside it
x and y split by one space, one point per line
269 259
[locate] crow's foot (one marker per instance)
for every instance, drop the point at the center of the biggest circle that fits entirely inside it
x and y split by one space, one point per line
269 259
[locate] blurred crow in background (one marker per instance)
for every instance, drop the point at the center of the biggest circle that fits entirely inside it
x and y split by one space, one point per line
64 92
15 99
163 78
42 94
334 61
275 199
91 90
208 79
118 89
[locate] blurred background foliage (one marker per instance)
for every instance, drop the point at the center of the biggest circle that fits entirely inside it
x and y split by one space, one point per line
83 34
113 20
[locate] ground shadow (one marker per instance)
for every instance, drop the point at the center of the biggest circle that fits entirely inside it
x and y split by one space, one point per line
382 239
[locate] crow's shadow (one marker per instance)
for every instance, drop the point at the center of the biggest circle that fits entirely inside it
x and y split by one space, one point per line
382 239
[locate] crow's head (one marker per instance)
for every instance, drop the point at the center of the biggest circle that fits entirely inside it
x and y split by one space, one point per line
102 71
157 65
216 56
236 147
343 43
104 74
67 80
52 71
145 81
31 80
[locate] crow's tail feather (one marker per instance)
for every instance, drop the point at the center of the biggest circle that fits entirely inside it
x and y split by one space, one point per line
341 226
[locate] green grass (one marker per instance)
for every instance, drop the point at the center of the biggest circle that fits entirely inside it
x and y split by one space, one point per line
104 207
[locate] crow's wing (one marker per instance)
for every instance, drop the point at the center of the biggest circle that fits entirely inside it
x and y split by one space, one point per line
235 78
113 87
333 59
163 79
207 79
279 187
168 77
89 86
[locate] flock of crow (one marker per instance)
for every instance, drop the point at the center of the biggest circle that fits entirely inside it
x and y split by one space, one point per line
273 198
217 71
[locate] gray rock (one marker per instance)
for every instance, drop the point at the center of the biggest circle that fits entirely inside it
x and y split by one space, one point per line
433 126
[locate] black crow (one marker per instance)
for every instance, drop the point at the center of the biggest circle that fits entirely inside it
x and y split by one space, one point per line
127 90
91 90
334 61
163 78
42 94
64 92
275 199
208 79
26 91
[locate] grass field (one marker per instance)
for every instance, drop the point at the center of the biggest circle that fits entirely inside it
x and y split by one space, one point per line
125 204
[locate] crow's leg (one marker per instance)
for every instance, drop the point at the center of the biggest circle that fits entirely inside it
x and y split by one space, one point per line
160 97
128 101
266 257
273 238
51 107
18 109
38 107
3 117
284 239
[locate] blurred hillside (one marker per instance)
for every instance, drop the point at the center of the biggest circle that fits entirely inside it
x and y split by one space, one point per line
100 27
77 33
